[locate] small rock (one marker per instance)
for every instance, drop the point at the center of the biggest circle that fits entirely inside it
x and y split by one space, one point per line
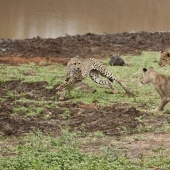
115 60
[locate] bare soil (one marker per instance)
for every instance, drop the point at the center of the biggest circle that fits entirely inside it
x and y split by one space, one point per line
111 120
58 50
18 116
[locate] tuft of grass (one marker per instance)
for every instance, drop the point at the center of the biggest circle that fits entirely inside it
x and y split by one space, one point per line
27 111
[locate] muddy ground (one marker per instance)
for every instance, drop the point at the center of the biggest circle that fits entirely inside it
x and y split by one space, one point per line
28 107
58 50
111 120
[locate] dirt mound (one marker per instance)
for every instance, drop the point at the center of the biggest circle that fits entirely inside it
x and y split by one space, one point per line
58 50
30 106
16 60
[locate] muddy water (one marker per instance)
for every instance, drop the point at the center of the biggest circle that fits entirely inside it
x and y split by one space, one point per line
53 18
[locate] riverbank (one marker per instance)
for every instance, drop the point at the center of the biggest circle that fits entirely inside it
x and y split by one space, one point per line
58 50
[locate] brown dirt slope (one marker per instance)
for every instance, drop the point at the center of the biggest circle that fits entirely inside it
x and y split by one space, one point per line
58 50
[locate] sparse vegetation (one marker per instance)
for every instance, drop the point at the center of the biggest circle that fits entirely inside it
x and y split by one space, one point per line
81 149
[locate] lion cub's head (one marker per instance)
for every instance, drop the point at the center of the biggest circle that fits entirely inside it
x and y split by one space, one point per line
164 58
147 75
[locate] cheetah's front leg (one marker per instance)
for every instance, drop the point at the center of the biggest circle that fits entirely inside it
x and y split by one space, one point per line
66 83
63 86
63 94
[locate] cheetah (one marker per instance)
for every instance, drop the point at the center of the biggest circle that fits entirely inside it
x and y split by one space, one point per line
78 70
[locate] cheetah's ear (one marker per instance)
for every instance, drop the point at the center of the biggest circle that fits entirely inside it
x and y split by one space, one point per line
77 57
144 69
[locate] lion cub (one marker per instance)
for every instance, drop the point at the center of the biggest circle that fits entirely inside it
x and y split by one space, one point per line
161 84
164 58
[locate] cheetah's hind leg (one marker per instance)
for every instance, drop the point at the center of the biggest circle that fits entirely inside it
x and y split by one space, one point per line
95 76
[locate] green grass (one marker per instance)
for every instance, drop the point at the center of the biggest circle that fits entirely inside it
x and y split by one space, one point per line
73 151
49 153
33 73
29 111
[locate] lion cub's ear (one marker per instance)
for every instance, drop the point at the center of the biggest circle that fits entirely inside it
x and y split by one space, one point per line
160 52
168 54
144 69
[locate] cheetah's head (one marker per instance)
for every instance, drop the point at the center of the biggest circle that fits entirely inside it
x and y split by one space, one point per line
74 64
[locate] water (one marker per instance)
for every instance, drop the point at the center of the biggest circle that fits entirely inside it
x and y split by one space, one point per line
21 19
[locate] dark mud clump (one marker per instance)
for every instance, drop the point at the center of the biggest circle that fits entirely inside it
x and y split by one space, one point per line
58 50
30 107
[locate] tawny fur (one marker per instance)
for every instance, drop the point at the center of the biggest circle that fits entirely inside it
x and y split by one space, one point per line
161 84
164 58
